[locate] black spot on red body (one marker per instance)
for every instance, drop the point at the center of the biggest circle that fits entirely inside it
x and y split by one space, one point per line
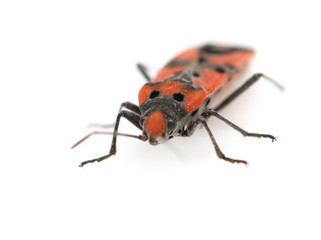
178 97
219 69
201 60
196 74
154 94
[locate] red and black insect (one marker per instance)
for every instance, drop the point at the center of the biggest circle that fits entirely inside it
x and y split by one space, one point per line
176 101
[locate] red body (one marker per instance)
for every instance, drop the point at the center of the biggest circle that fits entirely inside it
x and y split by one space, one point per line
191 80
176 101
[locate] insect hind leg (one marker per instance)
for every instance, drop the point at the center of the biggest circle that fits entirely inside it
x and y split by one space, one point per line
244 87
212 112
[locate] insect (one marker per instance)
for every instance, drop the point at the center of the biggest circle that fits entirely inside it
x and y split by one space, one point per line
176 101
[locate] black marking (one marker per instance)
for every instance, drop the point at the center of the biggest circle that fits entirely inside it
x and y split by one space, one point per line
154 94
208 101
220 69
216 49
213 49
178 97
223 68
196 74
194 112
177 63
201 59
182 77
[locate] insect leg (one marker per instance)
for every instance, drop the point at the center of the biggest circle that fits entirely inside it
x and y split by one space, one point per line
130 116
212 112
131 106
128 105
219 153
143 70
245 86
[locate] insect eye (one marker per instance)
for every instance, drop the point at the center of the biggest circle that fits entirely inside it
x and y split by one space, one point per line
154 94
171 125
178 97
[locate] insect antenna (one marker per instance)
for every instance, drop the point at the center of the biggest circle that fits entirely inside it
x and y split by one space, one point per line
98 125
140 137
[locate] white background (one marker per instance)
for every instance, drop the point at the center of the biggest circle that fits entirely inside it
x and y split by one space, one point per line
65 64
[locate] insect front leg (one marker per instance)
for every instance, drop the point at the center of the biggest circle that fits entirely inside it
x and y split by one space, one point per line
212 112
219 153
130 106
130 116
244 87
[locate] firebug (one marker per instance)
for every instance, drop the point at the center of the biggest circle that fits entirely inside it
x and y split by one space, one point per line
176 101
